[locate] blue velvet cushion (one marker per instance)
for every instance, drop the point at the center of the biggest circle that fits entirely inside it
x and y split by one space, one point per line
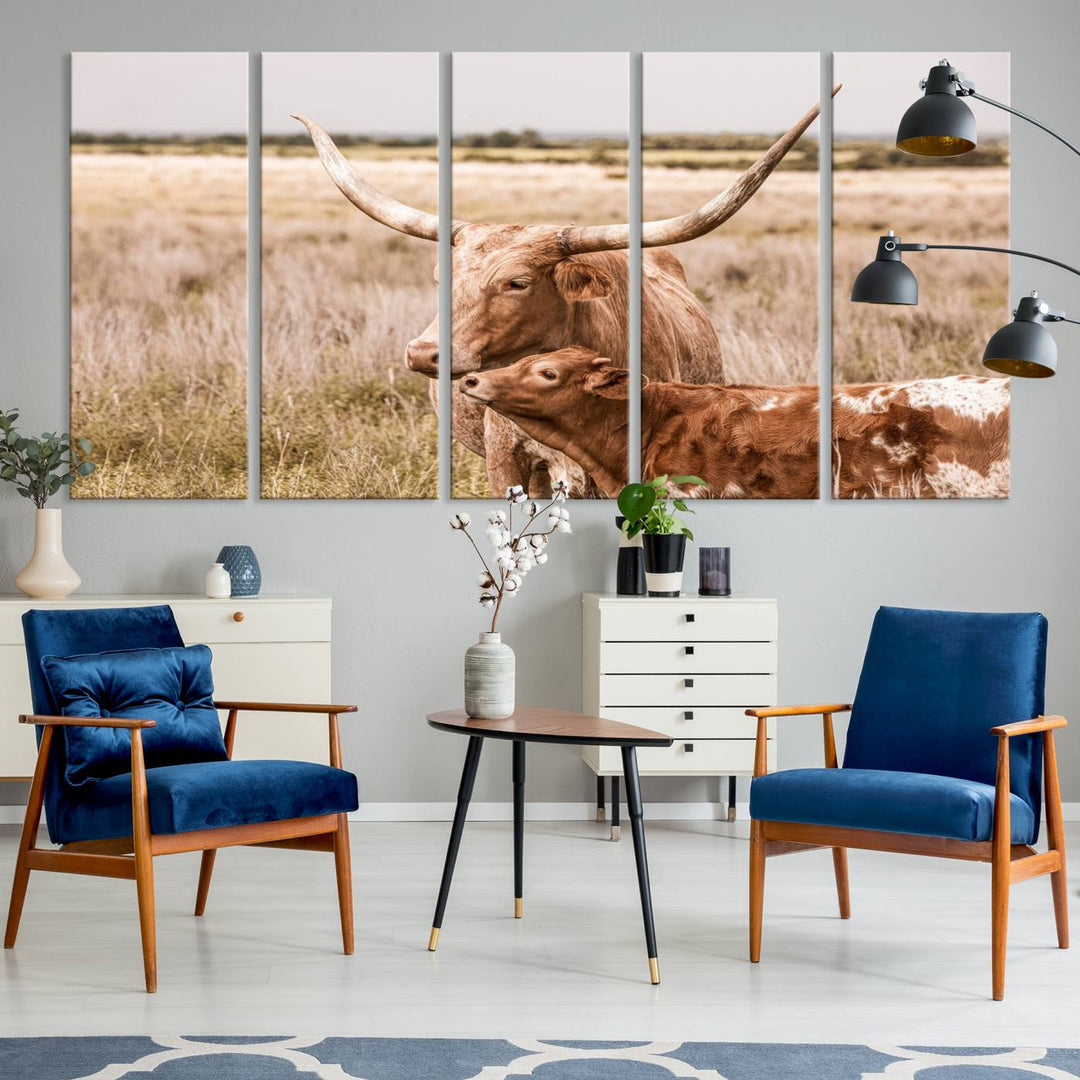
933 684
65 632
172 686
208 795
903 802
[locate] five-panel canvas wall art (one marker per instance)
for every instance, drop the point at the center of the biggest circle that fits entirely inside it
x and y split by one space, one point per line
542 185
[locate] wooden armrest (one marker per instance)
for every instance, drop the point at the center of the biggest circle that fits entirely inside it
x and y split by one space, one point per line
1028 727
798 710
279 706
87 721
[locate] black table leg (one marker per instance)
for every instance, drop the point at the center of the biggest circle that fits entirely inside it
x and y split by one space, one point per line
615 800
731 798
468 778
637 827
519 825
600 798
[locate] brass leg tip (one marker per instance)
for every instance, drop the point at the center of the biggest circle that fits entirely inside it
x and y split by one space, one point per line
654 971
731 813
600 813
433 940
519 907
616 832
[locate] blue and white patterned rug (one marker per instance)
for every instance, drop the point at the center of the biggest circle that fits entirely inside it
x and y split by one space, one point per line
284 1058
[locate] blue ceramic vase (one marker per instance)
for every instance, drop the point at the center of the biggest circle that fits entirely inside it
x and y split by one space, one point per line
243 569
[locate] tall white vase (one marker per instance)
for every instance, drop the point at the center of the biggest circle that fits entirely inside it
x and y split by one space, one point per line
48 575
489 678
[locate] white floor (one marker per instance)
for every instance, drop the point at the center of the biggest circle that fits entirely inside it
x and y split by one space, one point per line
911 966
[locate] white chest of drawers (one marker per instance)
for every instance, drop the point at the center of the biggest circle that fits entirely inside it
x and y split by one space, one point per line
277 650
686 666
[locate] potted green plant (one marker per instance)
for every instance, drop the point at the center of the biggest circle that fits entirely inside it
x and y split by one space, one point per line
652 509
39 466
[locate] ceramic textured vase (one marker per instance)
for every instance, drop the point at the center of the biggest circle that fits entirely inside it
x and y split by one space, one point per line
48 575
218 582
243 569
489 678
664 554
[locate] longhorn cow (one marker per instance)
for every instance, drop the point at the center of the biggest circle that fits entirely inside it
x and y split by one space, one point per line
524 289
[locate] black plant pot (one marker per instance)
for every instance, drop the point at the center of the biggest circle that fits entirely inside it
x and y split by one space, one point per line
664 556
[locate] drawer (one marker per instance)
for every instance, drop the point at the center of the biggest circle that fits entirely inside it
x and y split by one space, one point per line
703 657
709 757
686 691
688 620
695 723
214 621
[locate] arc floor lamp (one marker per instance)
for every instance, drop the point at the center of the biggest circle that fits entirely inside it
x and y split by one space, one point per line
940 124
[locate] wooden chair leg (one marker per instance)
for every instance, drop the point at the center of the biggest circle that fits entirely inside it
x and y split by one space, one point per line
1000 871
206 871
343 867
843 895
28 840
757 888
144 861
1055 829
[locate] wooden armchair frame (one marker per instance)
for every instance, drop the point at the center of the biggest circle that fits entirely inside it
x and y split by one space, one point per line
1009 862
132 857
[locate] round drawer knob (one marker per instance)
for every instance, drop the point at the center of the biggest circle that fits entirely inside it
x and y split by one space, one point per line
238 616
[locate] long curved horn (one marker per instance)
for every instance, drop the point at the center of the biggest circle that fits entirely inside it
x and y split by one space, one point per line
365 196
578 239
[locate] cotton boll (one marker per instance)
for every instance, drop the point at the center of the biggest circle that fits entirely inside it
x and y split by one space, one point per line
541 559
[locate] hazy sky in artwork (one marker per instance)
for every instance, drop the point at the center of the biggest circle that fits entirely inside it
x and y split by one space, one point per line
359 93
159 93
879 86
556 93
713 92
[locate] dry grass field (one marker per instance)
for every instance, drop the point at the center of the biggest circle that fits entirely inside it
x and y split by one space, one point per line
159 323
159 307
963 296
342 417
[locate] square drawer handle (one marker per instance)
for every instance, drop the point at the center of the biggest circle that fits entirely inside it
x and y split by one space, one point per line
688 684
689 616
688 714
688 747
688 650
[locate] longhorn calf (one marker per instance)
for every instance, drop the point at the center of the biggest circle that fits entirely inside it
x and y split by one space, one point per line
929 437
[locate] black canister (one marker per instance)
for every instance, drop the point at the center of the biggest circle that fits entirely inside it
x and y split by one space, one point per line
630 571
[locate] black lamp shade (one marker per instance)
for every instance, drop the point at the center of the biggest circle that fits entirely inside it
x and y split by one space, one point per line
885 281
939 124
1022 348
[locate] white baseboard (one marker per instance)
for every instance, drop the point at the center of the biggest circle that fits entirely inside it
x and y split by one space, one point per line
12 814
542 811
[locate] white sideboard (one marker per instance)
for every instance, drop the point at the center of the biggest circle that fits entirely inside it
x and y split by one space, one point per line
266 648
687 666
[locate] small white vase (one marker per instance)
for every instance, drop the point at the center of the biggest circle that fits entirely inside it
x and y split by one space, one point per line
218 582
489 678
48 575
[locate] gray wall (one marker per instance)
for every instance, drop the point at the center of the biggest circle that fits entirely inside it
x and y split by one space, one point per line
404 605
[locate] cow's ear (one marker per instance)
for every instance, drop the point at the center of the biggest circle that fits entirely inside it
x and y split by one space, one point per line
609 382
578 280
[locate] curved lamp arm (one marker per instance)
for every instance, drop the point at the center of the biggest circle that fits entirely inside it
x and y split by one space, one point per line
998 250
1016 112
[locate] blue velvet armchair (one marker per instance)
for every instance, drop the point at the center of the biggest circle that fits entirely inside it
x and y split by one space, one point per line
947 751
132 763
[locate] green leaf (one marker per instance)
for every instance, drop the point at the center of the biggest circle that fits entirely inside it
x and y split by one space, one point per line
85 445
69 478
636 501
687 533
681 480
24 492
86 468
680 505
